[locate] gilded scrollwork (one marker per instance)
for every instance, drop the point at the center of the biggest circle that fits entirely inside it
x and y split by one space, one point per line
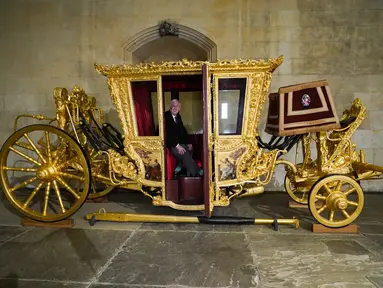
258 164
226 144
341 151
260 83
148 145
122 165
185 65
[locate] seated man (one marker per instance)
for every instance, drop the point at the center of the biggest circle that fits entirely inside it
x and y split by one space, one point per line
177 140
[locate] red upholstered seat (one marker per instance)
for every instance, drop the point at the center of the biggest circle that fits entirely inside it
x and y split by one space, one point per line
171 164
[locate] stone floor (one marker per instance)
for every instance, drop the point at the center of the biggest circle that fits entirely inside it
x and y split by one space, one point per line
167 255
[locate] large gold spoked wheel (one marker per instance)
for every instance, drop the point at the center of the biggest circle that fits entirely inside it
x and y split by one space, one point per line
298 194
44 173
336 200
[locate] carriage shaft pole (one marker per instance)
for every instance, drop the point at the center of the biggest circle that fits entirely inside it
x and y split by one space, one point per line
128 217
367 167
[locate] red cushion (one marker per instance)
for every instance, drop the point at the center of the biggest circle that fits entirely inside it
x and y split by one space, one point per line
171 164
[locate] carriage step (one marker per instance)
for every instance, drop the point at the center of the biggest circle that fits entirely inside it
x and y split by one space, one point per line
351 229
66 223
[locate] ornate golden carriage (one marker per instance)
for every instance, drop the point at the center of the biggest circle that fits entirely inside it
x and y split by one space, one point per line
48 171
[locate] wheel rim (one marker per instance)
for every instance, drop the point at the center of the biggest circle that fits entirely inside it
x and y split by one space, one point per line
44 173
299 195
336 201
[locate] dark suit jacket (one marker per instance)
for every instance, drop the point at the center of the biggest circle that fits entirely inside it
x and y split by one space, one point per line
175 133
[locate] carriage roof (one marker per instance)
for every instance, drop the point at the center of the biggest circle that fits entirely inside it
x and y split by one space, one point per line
188 67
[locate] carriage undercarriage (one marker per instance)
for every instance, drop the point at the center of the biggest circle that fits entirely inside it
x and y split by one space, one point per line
48 170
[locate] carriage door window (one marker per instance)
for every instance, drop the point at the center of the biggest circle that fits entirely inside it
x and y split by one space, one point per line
145 107
231 99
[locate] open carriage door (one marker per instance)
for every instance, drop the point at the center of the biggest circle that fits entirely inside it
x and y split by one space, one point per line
207 154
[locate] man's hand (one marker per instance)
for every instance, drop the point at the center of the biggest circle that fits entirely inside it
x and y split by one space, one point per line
181 150
190 147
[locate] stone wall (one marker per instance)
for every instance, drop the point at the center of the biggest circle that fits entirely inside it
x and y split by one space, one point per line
50 43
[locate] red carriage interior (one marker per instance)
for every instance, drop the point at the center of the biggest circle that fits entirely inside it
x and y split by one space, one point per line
186 188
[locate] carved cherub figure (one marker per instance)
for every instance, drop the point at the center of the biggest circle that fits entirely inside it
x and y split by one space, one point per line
60 96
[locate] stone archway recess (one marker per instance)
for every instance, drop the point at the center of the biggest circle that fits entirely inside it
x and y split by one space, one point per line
170 29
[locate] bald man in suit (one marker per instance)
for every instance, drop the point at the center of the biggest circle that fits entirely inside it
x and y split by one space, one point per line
177 140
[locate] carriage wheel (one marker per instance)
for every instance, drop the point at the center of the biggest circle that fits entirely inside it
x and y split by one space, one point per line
44 173
299 194
336 201
100 183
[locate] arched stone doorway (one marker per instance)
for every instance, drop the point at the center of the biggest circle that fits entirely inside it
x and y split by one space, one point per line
169 42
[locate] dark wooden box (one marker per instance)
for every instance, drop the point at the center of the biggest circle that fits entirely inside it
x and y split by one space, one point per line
171 188
301 108
191 190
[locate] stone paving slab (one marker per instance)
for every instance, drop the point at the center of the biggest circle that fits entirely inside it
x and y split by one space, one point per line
371 229
378 239
377 280
191 227
9 232
195 259
117 255
59 254
17 283
313 260
131 286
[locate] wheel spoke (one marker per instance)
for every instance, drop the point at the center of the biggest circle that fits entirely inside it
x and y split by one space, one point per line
61 150
345 214
332 213
58 196
67 163
352 203
68 187
30 159
24 145
35 148
33 194
20 169
304 197
321 209
46 198
339 186
25 183
328 190
348 192
72 176
93 153
93 187
320 197
101 178
49 148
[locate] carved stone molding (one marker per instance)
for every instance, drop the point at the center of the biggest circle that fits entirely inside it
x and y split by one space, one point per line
152 33
167 28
